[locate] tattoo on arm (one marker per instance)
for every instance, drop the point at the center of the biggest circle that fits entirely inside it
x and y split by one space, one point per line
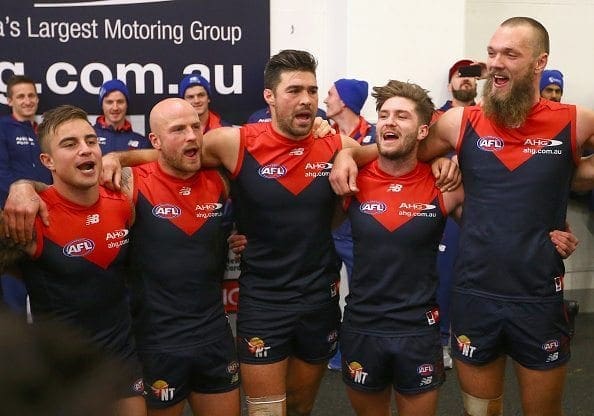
127 181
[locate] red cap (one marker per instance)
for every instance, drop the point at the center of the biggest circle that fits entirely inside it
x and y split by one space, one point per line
457 65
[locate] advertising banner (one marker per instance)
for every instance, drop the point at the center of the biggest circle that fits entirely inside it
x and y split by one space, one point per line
71 47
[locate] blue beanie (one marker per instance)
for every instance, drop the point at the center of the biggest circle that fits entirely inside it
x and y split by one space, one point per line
113 85
192 80
551 76
353 93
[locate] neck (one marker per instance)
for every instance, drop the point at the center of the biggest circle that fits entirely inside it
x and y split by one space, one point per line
399 166
347 122
458 103
83 197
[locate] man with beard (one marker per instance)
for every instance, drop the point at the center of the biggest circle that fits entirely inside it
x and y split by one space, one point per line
517 155
551 85
463 90
390 332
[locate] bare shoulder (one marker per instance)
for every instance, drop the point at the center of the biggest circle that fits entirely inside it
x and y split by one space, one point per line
221 147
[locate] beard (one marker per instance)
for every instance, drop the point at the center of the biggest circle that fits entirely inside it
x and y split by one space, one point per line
464 95
293 129
409 141
510 110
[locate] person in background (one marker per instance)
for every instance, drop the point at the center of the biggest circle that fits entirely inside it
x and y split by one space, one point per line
463 91
344 102
113 129
19 158
195 89
551 85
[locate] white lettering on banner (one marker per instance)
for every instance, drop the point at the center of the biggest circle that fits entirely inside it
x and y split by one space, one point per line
63 31
143 31
198 31
61 77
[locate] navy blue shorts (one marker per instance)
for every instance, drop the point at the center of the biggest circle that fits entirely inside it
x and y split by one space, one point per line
269 334
172 375
534 334
133 383
411 363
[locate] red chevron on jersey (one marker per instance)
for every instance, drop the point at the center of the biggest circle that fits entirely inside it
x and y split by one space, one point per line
513 147
294 164
186 203
393 202
86 231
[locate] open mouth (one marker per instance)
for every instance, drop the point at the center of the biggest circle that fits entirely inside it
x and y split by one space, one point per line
191 153
303 116
390 136
500 80
86 167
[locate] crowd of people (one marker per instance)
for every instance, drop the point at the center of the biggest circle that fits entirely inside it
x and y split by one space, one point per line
124 237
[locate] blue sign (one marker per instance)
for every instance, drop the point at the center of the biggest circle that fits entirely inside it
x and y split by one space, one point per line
71 47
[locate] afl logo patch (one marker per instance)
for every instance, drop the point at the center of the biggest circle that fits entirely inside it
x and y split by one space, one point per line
551 345
372 207
78 248
272 171
490 144
425 370
166 211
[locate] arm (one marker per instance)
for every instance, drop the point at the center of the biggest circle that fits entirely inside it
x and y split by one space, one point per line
220 147
442 137
343 177
565 241
112 165
11 253
21 207
583 179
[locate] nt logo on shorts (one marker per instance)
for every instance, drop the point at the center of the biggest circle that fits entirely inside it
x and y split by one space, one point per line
162 391
465 346
357 373
257 347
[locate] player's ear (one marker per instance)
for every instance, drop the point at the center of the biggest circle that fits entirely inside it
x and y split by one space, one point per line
47 161
269 97
155 140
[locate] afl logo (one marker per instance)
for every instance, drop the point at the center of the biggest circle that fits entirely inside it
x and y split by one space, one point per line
166 211
372 207
79 248
551 346
489 144
425 370
272 171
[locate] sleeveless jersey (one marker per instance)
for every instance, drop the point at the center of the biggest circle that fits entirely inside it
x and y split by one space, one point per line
516 185
177 255
77 274
284 205
397 223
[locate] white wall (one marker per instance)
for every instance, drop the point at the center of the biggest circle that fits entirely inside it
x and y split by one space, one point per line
377 40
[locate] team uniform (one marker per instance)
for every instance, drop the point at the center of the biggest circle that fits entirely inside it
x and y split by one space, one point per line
183 336
289 276
19 159
364 134
390 329
214 122
123 138
77 275
508 284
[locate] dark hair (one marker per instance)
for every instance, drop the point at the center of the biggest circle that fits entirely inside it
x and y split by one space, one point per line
423 105
55 117
285 61
49 369
541 41
17 79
